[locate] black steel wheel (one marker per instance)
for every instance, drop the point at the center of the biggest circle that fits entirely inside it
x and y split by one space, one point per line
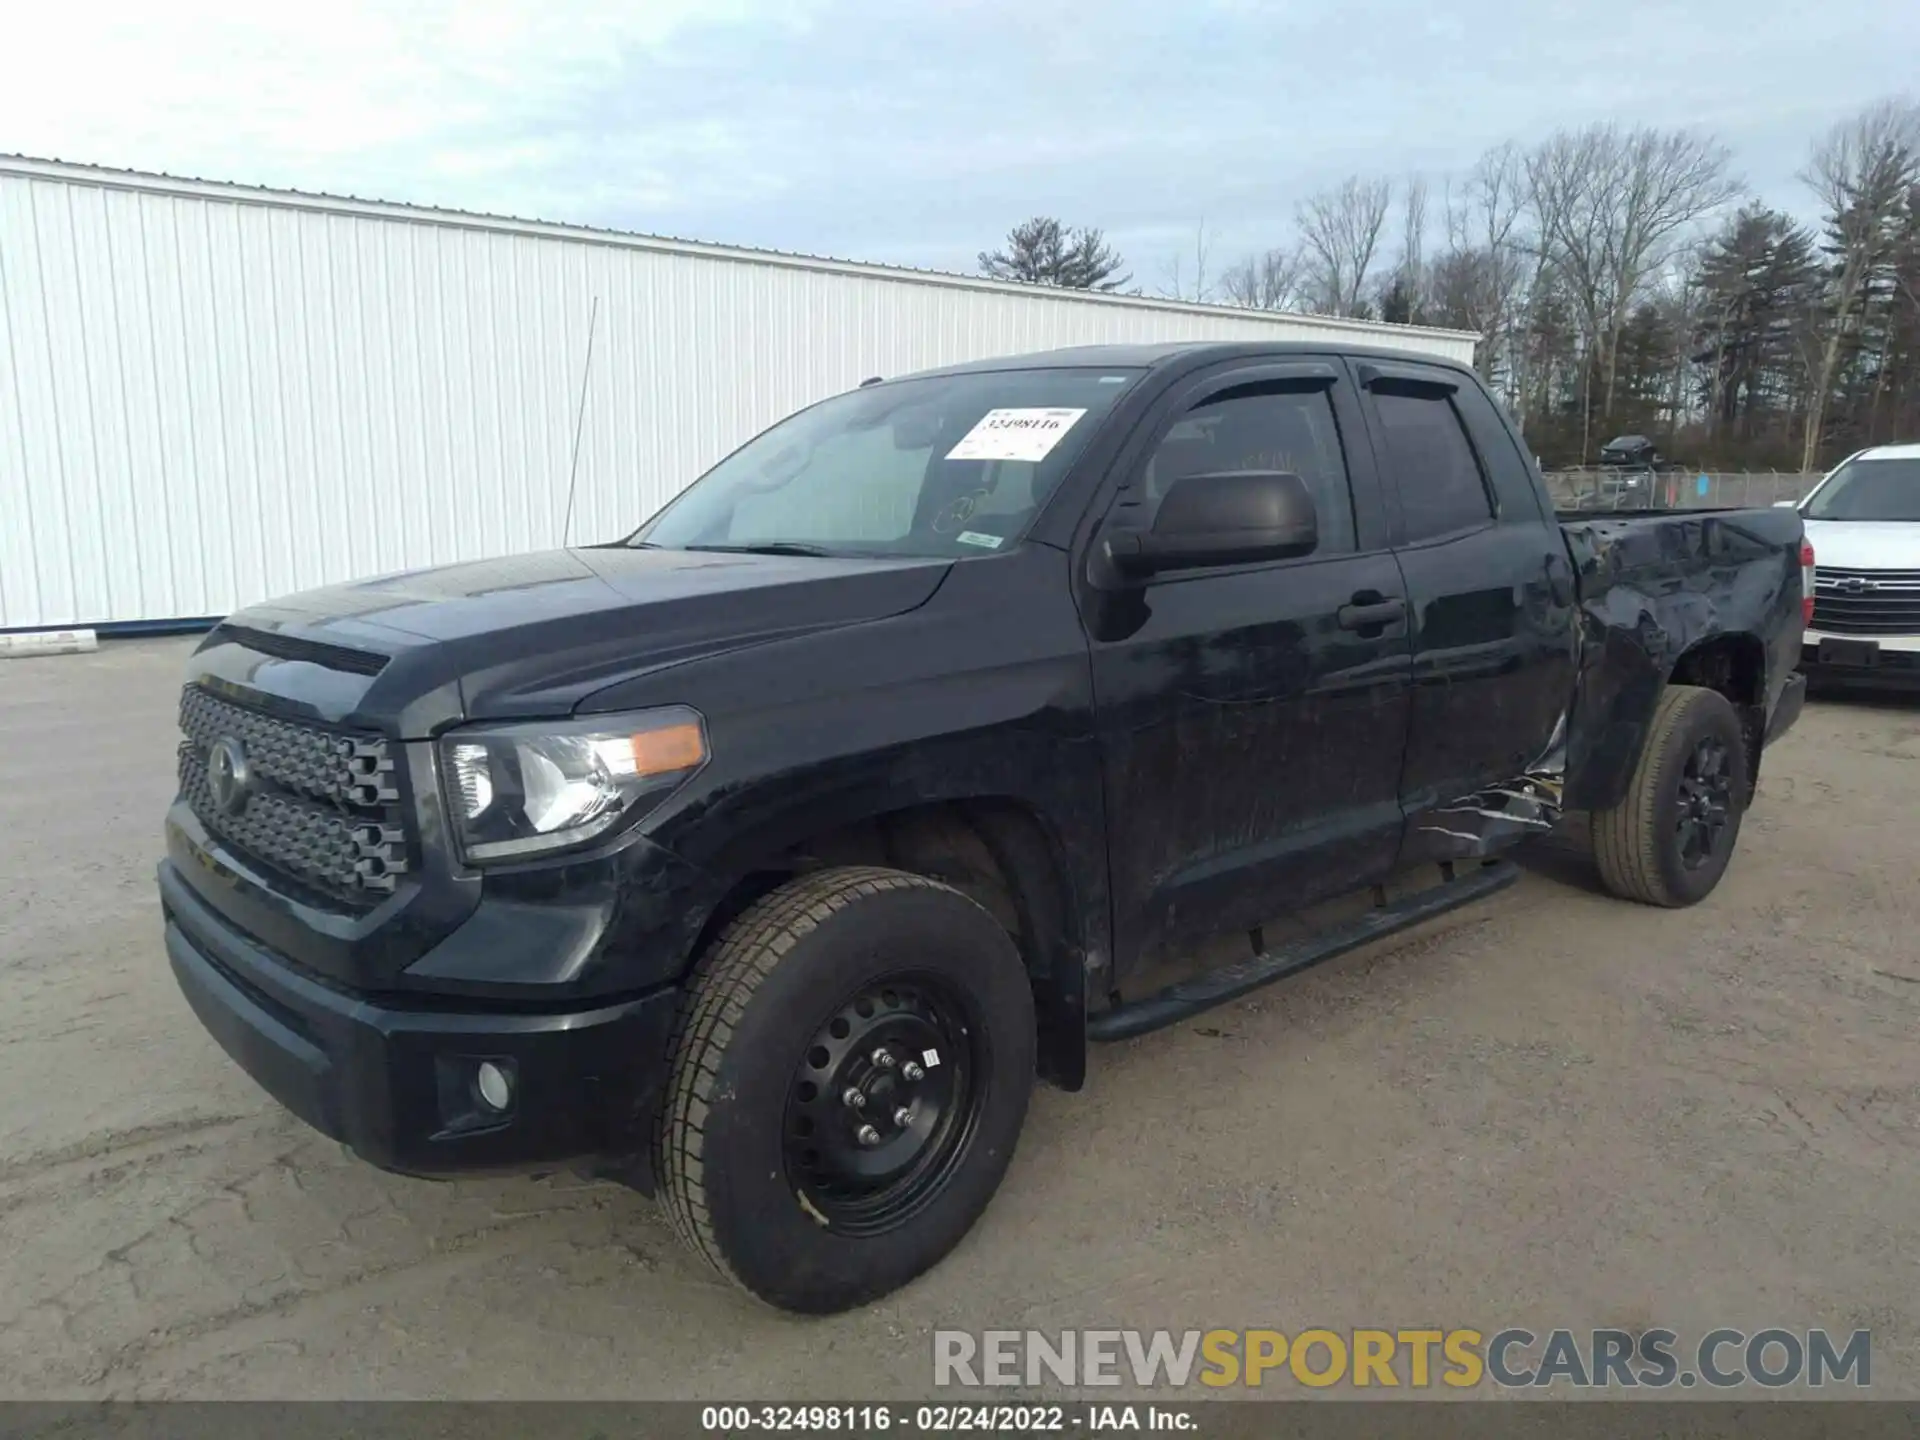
1670 838
850 1073
885 1102
1704 801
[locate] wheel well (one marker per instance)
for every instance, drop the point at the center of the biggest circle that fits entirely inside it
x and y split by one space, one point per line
999 854
1736 666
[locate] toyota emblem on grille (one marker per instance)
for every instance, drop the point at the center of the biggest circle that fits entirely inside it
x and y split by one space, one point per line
228 775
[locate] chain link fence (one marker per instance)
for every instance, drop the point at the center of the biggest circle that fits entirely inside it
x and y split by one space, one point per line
1595 489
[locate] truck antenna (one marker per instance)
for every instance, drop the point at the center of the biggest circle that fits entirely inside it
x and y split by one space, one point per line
579 419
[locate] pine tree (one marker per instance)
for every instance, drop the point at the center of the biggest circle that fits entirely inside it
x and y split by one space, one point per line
1042 251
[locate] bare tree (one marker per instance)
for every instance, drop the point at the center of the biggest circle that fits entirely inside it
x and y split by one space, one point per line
1610 206
1599 296
1340 236
1483 270
1413 223
1410 276
1187 277
1673 180
1267 281
1862 170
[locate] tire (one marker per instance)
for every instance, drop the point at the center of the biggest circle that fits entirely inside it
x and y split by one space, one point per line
732 1143
1640 846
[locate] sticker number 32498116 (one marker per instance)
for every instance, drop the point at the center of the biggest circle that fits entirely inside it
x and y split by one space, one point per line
1028 435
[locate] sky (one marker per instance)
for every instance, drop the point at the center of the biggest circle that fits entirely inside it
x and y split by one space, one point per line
915 132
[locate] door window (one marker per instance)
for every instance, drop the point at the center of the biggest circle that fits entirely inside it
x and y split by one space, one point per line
1262 428
1442 489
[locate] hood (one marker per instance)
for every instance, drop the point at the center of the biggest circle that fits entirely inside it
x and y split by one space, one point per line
1865 544
532 635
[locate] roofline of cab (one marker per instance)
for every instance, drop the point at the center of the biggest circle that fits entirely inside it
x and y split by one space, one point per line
1177 356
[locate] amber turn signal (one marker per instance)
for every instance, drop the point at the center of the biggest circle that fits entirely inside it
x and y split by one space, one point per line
670 748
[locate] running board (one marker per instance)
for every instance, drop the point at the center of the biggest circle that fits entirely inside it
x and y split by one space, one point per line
1230 982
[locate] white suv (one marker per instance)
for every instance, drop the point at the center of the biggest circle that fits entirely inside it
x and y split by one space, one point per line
1863 521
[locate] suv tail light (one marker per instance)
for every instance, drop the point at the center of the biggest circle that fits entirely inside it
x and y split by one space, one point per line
1806 582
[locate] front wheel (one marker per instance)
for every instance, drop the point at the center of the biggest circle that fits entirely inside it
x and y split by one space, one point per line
849 1076
1669 840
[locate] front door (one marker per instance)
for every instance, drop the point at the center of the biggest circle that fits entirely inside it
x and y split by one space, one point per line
1252 718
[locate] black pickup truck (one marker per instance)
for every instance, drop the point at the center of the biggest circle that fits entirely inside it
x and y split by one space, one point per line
765 858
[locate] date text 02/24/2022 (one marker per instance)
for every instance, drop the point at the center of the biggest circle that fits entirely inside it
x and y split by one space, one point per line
948 1419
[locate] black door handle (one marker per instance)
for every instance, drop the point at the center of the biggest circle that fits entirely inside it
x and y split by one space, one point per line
1367 615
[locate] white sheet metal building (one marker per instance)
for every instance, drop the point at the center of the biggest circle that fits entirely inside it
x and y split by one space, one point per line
210 394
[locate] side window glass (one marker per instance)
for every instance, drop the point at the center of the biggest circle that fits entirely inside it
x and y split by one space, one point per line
1262 429
1507 465
1438 475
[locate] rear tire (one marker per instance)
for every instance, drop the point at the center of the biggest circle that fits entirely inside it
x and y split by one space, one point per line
1670 838
849 980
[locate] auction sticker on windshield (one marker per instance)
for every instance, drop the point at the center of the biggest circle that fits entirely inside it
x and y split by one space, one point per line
1028 435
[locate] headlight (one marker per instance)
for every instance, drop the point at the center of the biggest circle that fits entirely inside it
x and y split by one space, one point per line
516 791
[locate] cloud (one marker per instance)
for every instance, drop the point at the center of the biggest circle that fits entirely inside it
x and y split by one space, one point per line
915 132
434 101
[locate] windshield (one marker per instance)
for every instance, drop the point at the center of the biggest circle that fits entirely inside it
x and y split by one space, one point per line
948 466
1869 490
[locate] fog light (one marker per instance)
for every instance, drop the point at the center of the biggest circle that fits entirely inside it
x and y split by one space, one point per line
493 1086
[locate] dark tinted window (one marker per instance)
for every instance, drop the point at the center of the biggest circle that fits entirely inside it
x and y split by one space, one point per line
1263 429
1507 464
1441 488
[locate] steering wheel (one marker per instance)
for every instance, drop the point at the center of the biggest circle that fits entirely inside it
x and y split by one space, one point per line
957 511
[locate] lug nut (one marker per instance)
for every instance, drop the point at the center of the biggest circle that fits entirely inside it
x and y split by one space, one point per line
867 1135
854 1098
903 1117
911 1070
883 1058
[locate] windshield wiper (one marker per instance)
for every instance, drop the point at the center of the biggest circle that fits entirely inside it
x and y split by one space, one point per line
770 547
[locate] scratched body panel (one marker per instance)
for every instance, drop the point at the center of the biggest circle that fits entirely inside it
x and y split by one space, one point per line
1250 747
1654 588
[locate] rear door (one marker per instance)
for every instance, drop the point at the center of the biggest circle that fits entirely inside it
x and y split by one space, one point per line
1251 717
1491 591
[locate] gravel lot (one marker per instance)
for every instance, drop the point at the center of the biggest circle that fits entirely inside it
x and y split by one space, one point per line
1555 1109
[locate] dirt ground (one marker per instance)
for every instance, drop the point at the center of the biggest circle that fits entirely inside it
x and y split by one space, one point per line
1555 1109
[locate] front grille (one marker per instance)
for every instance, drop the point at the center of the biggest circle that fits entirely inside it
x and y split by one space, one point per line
1866 602
322 807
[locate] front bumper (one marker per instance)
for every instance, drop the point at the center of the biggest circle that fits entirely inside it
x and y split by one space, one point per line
1890 662
393 1077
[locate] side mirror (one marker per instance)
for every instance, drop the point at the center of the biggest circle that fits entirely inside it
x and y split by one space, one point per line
1233 517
